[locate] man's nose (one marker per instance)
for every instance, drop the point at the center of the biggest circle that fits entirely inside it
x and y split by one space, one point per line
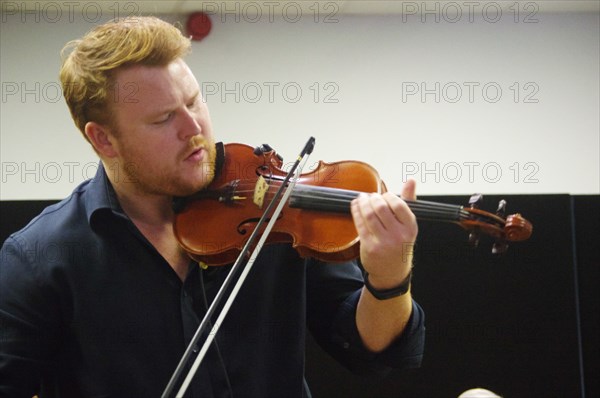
189 126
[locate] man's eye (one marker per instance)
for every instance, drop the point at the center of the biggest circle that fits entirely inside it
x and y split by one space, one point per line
164 119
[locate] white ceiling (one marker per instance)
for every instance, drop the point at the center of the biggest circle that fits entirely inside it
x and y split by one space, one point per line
324 7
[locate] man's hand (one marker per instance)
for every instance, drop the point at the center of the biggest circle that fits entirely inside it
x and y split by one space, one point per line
387 229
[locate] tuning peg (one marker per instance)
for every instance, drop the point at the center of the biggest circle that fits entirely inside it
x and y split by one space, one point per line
501 212
499 247
474 238
475 200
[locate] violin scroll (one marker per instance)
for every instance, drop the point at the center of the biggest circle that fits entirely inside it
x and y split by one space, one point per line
512 228
517 228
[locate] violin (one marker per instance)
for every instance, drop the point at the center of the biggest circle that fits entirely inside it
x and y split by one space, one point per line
218 224
213 224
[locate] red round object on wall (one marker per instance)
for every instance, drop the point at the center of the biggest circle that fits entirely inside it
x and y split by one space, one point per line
198 25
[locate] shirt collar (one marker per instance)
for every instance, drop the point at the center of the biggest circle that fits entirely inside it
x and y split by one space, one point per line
101 198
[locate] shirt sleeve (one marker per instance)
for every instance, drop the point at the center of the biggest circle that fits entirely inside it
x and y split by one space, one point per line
28 320
333 291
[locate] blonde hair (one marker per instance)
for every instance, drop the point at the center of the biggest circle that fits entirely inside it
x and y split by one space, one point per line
88 72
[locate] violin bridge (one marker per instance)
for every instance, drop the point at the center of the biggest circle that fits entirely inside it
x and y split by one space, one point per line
260 189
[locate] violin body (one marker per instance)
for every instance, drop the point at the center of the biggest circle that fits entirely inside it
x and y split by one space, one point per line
214 224
214 228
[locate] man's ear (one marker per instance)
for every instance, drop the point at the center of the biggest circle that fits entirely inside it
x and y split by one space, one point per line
101 138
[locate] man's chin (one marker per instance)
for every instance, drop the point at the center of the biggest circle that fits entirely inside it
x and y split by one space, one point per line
183 190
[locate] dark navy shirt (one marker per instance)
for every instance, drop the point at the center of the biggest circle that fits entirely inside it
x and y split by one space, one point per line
89 308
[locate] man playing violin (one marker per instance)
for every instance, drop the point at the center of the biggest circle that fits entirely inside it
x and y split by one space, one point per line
112 310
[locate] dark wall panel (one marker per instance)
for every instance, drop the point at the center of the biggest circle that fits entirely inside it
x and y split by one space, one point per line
586 210
507 323
15 214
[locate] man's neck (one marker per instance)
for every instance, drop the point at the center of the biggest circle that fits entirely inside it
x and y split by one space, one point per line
153 215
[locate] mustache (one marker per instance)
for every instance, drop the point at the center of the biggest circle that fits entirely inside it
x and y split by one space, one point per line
198 141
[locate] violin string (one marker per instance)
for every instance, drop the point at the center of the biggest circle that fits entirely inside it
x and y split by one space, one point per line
326 197
333 199
437 211
322 198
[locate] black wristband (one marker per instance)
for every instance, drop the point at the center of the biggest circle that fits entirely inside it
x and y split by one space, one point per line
399 290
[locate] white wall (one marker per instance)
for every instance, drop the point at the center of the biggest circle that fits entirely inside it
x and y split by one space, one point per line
538 134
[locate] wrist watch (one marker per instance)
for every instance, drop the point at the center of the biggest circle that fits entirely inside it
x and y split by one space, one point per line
384 294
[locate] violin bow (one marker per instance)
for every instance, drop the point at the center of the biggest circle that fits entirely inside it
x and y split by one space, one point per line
295 169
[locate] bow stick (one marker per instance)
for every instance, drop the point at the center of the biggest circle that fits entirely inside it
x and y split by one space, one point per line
296 169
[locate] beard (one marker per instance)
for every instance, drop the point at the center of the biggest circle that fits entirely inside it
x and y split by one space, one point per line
155 180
